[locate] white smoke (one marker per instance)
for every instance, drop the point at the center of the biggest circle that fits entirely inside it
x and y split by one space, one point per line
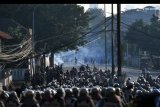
89 54
58 59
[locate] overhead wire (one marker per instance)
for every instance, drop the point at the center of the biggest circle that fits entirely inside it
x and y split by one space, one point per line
70 43
145 34
62 35
94 39
25 48
19 54
82 36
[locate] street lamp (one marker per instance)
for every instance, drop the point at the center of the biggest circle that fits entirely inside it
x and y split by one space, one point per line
119 72
33 39
33 28
112 44
105 38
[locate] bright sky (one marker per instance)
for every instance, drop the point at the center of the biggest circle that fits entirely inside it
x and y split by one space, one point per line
123 6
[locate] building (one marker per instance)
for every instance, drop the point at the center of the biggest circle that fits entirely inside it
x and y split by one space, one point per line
5 78
10 69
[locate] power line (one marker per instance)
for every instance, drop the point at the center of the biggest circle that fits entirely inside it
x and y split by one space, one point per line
145 34
10 56
86 34
105 38
86 44
68 44
75 41
17 53
148 35
62 35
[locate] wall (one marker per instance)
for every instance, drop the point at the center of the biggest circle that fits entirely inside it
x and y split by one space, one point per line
18 74
6 81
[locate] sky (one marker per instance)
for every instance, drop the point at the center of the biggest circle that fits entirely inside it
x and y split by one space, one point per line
123 7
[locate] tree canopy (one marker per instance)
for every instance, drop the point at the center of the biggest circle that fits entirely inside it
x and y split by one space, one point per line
57 26
145 36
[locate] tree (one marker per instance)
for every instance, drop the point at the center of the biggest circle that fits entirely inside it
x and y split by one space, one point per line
18 35
146 36
154 32
58 27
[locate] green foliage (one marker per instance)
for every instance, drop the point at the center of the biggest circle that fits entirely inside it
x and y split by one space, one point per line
16 33
57 26
145 36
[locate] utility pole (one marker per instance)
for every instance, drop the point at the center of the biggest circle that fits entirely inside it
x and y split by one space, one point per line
105 37
112 43
33 29
127 54
139 55
119 72
33 37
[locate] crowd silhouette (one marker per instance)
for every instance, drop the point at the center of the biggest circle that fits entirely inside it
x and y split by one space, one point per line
83 87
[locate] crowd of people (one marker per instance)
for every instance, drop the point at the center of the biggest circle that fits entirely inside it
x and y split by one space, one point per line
86 87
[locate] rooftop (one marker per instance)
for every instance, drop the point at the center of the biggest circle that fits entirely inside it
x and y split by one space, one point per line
4 35
149 7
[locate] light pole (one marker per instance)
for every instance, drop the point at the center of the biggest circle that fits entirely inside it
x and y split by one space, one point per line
112 43
33 29
119 72
33 40
105 37
127 54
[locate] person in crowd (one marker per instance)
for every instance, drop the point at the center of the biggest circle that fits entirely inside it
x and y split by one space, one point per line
69 98
39 97
47 99
85 88
119 92
2 104
110 99
75 91
13 100
4 96
84 100
128 92
29 100
95 95
58 99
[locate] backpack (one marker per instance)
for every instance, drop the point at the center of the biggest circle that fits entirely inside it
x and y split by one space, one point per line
83 104
95 101
106 103
70 102
11 104
55 103
46 104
